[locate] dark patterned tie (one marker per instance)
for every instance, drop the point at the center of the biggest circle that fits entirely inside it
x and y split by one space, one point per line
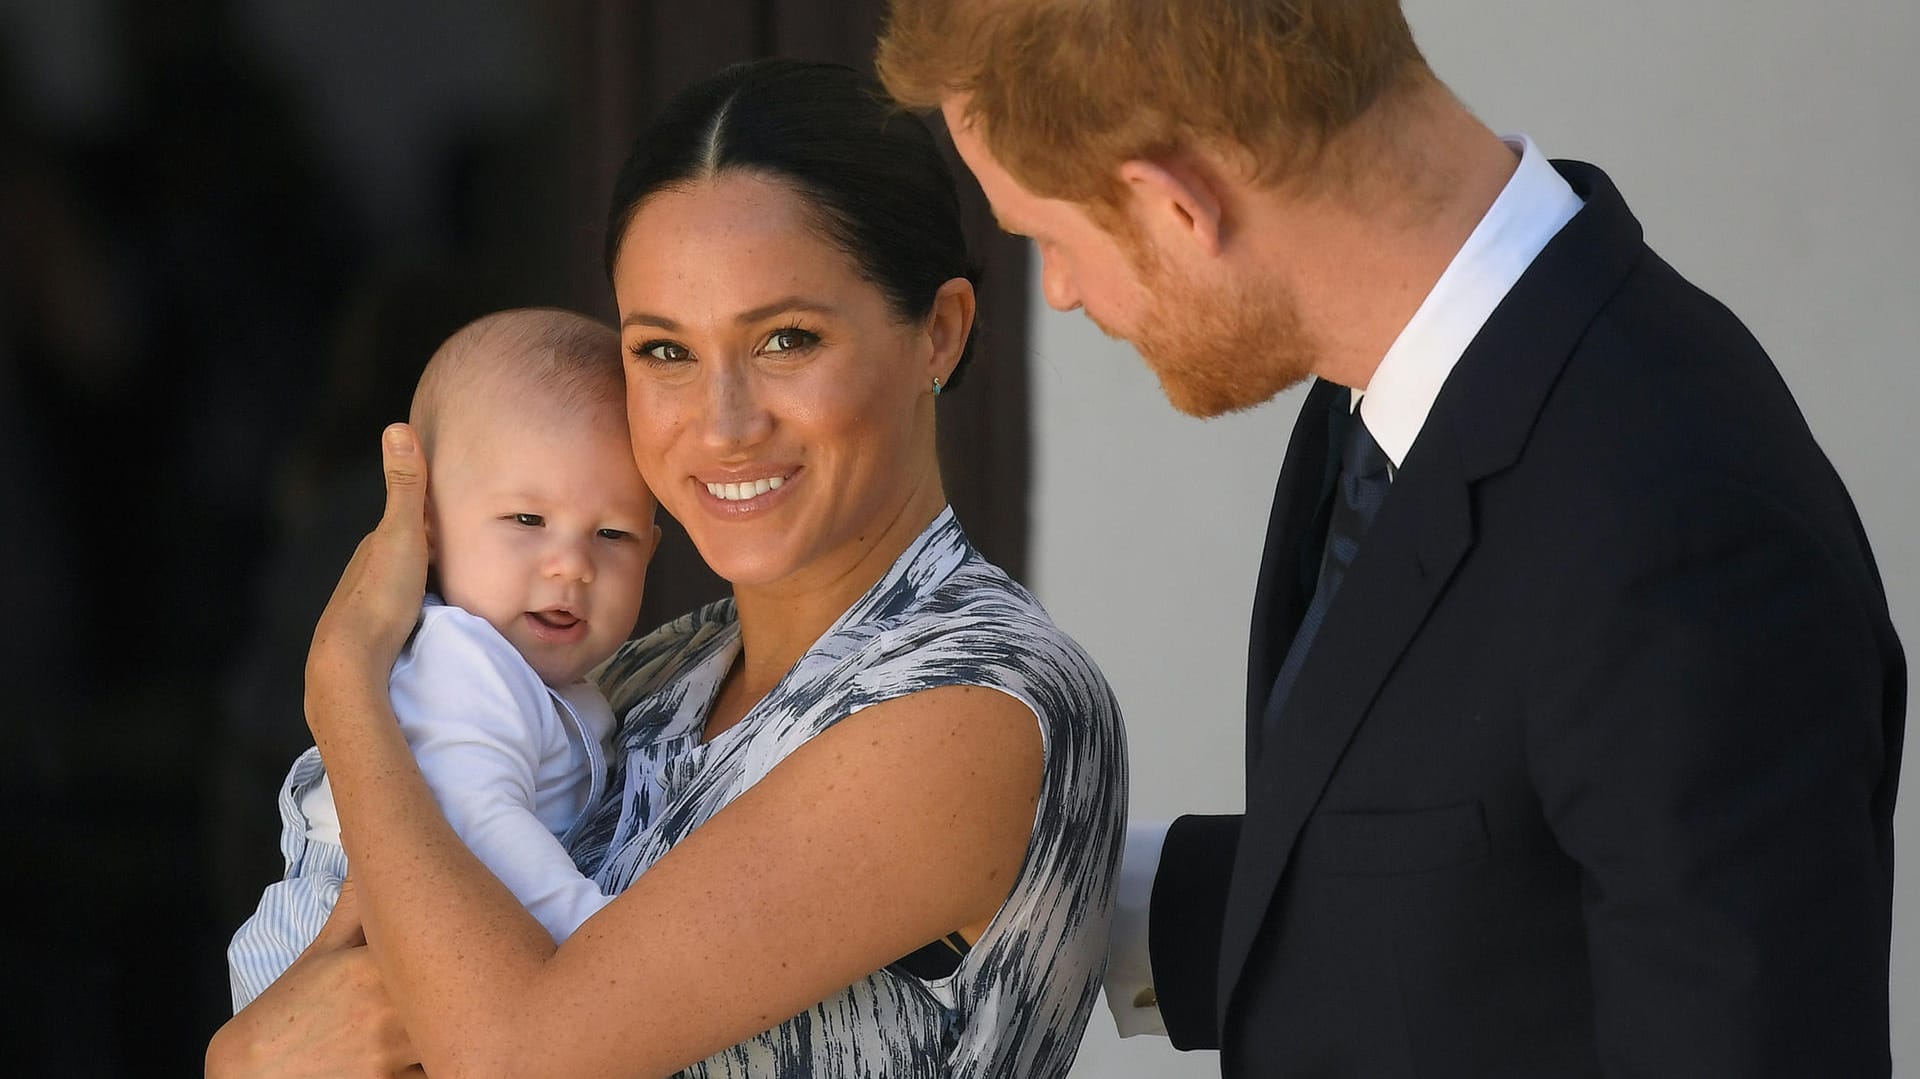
1361 487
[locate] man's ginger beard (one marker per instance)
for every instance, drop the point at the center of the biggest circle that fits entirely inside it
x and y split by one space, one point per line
1215 351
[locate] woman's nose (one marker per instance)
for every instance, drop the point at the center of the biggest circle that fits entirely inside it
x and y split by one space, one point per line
735 416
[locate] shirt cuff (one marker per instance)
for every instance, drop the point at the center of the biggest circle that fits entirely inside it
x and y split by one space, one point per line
1129 981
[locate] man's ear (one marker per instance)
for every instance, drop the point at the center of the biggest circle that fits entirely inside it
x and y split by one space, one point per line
1177 200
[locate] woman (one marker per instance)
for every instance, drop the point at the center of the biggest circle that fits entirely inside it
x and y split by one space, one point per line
838 767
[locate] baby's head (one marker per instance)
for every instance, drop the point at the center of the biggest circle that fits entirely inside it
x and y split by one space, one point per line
537 518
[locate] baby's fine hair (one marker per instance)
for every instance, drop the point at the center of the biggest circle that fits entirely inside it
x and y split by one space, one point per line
523 356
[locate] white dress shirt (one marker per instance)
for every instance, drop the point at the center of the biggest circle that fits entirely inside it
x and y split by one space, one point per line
1531 209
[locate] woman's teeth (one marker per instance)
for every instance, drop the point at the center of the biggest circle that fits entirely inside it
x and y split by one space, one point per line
740 492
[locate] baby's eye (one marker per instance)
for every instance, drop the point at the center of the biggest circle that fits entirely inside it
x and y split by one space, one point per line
791 338
614 534
662 352
528 520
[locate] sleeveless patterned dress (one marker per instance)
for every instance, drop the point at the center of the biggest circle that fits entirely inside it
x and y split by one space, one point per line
941 616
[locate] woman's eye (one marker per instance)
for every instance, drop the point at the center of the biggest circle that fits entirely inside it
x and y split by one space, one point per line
662 352
614 534
529 520
790 338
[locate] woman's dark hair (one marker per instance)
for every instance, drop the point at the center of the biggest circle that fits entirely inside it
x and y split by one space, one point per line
871 172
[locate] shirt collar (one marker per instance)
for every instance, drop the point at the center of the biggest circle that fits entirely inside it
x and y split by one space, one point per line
1533 206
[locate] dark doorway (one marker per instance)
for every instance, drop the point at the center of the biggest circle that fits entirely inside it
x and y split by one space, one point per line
234 230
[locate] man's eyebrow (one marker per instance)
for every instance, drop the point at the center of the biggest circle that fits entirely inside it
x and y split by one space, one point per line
752 315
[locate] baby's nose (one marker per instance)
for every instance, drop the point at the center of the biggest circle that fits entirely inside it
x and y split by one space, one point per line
570 562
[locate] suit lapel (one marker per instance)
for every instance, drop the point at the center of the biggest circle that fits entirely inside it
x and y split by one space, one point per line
1280 598
1423 530
1477 427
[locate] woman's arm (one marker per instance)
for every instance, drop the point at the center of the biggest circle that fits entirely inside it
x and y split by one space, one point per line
901 823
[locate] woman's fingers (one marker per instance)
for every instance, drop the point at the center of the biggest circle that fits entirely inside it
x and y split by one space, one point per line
327 1017
374 606
405 469
395 573
397 565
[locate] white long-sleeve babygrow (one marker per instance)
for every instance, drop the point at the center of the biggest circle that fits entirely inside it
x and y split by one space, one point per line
512 761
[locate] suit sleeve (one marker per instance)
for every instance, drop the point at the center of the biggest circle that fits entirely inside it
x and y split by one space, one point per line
480 722
1714 739
1189 906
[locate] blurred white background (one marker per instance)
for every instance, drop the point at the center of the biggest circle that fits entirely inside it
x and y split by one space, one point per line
1770 151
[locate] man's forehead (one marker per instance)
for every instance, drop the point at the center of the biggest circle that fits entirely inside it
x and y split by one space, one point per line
995 182
964 127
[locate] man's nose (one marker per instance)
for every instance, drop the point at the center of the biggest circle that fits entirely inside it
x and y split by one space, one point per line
1055 285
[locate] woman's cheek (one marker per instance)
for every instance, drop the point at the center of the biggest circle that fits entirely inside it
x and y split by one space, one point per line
651 428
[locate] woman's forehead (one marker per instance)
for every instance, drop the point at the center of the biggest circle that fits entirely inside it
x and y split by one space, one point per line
731 248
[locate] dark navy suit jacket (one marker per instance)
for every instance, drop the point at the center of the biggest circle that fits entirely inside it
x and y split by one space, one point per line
1591 769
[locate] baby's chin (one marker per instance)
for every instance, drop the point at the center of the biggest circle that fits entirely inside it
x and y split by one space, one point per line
559 674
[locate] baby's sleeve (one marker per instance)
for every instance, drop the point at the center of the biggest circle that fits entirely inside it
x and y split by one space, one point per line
480 723
291 911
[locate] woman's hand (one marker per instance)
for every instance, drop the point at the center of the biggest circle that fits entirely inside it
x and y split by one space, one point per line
328 1015
377 601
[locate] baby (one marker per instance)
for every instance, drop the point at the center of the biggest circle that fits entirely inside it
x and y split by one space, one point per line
540 530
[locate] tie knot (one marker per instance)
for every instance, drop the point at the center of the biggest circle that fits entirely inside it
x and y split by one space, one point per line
1362 456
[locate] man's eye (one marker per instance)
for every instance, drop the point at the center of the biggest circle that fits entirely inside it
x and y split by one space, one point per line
530 520
614 534
790 338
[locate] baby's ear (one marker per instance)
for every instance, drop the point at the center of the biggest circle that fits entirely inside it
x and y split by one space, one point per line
433 542
433 554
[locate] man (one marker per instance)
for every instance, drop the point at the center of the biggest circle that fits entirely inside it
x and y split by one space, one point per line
1574 711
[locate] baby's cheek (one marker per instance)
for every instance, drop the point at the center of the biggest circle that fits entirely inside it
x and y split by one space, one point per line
632 586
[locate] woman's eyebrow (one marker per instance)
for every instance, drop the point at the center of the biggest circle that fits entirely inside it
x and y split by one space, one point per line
780 307
642 318
757 314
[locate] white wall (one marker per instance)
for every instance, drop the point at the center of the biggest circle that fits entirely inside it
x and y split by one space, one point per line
1769 148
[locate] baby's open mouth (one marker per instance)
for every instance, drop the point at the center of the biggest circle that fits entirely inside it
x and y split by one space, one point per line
555 619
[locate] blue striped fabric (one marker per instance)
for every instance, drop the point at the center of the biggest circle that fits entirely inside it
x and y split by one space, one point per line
941 616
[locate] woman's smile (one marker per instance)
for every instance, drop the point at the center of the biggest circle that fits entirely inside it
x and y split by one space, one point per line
747 490
734 500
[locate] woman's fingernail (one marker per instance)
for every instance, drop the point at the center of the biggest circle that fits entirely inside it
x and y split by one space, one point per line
397 440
